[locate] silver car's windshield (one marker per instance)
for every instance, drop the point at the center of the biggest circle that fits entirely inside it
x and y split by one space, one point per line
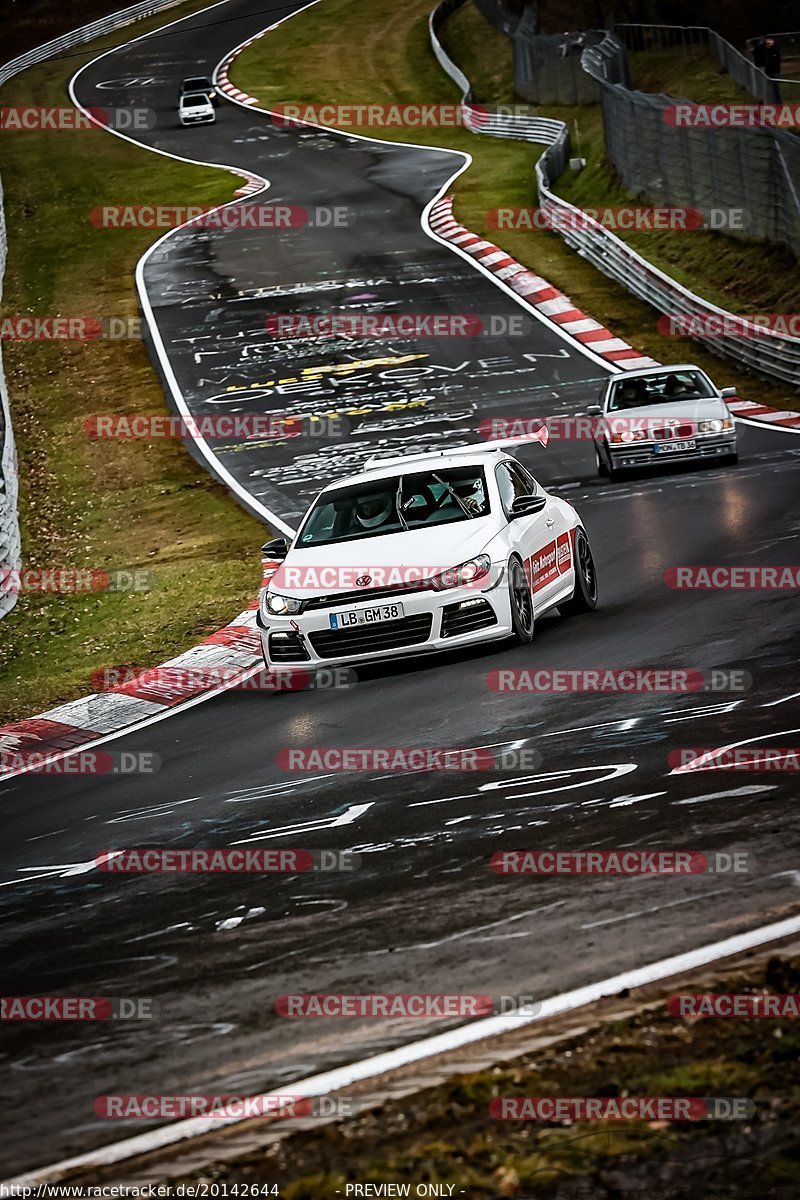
395 505
668 387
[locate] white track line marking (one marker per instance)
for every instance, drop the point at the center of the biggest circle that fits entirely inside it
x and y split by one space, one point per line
691 768
351 814
370 1068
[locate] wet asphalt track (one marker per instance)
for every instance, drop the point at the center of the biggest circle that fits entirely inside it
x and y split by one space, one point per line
423 912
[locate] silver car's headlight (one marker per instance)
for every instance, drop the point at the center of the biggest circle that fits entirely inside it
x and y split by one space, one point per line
715 426
629 435
280 606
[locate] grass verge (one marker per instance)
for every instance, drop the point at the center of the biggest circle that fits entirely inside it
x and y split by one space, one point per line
690 74
101 504
348 53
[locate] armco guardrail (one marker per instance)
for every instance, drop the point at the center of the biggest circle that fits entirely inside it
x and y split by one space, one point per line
10 551
497 120
86 33
723 333
766 352
10 554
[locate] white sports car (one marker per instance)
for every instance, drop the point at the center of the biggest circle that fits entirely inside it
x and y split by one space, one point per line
423 553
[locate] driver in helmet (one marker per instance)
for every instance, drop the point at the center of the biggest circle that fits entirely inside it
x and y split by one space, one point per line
373 511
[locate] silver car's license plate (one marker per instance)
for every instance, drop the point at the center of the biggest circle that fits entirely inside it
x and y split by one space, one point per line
673 447
366 616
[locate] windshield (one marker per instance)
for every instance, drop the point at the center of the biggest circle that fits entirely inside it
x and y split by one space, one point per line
659 389
395 505
196 84
195 98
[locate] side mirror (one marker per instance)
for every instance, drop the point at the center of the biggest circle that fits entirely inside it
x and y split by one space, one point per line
525 506
277 548
594 410
728 393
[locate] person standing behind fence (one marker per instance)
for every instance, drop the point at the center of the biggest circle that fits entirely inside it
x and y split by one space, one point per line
758 50
772 64
573 44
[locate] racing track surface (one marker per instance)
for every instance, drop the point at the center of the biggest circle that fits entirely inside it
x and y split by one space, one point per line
423 912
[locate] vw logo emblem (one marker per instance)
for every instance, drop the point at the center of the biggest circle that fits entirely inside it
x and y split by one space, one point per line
363 580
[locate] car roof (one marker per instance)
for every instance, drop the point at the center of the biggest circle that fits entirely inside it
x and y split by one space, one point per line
645 372
408 464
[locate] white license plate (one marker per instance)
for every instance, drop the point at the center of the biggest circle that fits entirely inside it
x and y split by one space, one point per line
366 616
673 447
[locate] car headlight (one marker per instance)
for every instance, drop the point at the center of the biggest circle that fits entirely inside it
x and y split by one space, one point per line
715 426
462 576
281 606
629 435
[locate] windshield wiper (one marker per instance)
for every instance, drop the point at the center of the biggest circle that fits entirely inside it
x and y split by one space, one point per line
454 494
398 496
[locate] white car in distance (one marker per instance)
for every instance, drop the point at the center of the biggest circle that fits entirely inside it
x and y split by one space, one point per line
423 553
195 108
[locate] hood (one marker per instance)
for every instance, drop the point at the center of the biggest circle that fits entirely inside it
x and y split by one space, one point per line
676 410
391 559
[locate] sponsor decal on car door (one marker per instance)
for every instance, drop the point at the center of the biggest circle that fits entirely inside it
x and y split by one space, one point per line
547 565
542 539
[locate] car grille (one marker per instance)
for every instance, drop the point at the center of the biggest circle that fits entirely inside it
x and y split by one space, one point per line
287 647
685 430
340 598
466 617
372 639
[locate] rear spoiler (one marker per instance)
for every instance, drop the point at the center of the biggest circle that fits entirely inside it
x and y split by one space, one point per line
541 435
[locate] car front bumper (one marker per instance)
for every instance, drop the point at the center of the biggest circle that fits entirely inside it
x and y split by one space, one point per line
432 621
642 454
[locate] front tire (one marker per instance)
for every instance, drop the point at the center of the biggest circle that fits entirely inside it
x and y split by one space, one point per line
614 473
607 467
602 469
521 601
584 597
